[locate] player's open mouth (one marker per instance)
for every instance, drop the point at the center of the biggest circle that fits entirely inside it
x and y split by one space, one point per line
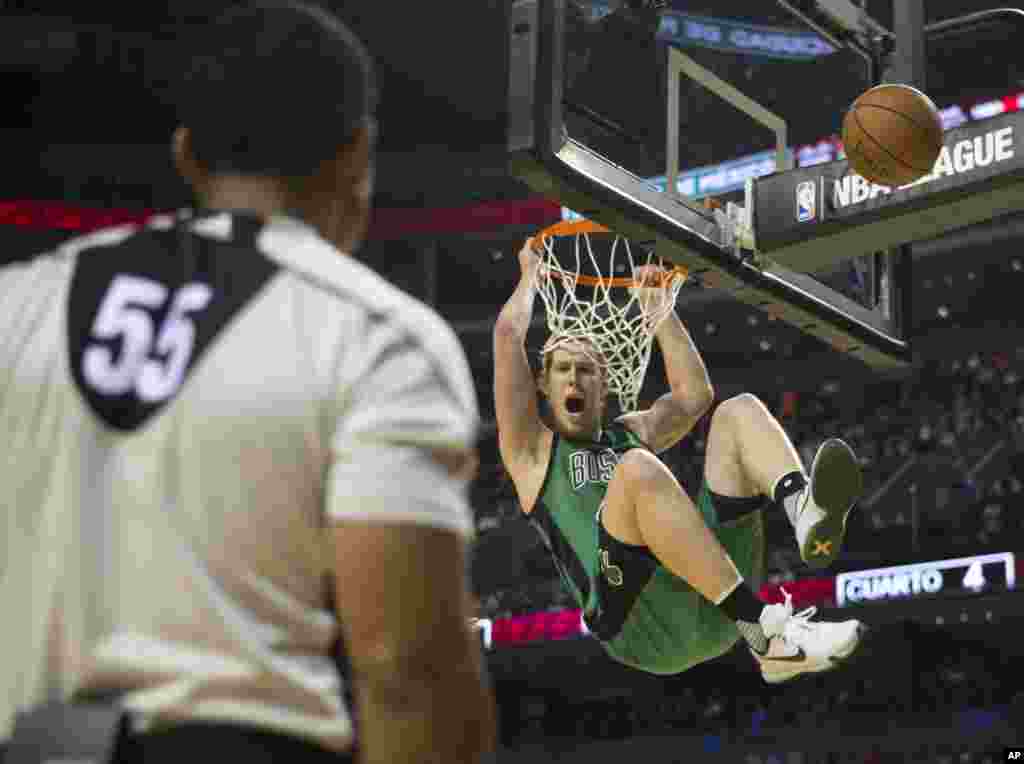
575 404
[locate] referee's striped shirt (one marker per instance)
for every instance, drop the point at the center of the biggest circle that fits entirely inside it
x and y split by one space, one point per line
185 407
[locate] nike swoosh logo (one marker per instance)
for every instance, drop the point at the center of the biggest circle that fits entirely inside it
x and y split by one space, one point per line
800 656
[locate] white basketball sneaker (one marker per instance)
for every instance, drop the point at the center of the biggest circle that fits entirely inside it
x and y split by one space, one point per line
835 485
796 645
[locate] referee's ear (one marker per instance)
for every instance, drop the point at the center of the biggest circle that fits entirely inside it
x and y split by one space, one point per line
185 161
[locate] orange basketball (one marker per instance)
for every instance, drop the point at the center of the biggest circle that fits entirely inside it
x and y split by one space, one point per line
892 135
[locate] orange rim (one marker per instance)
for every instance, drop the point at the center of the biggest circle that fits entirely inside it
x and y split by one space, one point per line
576 227
624 282
569 228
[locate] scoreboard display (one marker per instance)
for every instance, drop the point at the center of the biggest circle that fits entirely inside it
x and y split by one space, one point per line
964 576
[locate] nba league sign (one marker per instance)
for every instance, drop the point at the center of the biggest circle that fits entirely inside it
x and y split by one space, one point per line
797 210
964 156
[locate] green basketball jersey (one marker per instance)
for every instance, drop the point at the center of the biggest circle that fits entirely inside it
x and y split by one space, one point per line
566 512
644 615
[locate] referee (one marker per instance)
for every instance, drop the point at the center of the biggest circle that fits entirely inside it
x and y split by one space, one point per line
229 445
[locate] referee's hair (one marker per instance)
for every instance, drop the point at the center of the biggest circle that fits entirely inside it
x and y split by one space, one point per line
274 89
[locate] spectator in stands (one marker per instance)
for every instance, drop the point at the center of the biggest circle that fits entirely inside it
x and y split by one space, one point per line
1017 441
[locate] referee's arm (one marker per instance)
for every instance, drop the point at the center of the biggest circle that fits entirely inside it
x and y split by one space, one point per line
398 504
419 685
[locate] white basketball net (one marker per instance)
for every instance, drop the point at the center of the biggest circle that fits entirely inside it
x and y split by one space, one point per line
619 321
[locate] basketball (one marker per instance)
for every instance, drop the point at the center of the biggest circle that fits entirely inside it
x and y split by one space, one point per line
892 135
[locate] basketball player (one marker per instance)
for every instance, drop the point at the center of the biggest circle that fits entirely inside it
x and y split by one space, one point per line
228 444
662 581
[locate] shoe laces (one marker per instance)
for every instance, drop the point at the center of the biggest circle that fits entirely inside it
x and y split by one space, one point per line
787 624
798 625
802 503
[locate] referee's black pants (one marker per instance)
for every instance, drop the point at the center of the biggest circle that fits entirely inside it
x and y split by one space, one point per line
198 741
201 741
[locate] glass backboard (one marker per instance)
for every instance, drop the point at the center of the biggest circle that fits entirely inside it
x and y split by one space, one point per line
603 86
616 93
